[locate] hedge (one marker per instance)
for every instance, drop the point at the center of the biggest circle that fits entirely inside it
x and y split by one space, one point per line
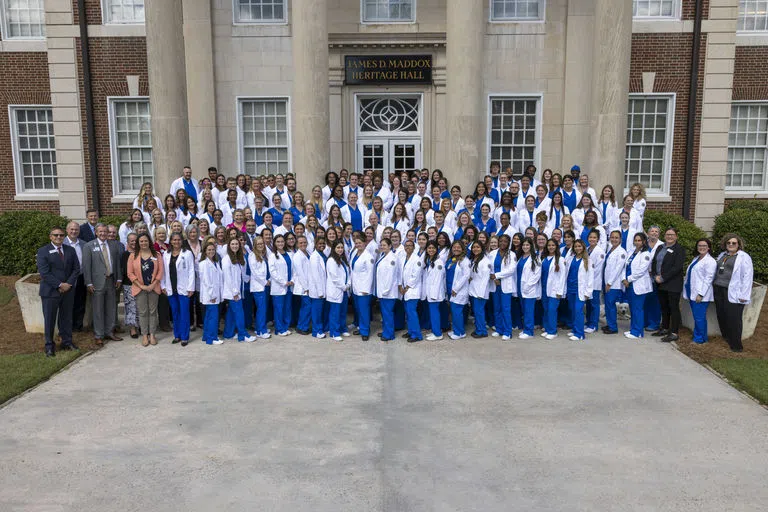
23 233
688 231
750 225
748 204
113 219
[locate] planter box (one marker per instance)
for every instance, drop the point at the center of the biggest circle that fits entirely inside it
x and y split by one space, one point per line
31 306
750 317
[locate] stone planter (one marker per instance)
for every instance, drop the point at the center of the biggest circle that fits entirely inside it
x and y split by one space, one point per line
31 306
750 317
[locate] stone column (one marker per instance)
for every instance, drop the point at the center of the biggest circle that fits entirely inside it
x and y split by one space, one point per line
310 102
464 87
610 91
201 92
168 91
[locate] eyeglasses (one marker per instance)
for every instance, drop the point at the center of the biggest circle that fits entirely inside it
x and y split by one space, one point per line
732 242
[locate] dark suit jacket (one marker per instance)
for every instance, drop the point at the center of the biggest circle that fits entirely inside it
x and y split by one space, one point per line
54 271
672 267
86 233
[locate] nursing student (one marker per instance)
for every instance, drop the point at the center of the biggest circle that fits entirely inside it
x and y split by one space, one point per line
387 287
597 264
457 273
578 288
281 281
336 286
698 288
528 285
211 277
434 285
301 285
614 272
479 287
411 289
554 273
233 268
361 264
179 286
637 284
259 266
504 270
317 264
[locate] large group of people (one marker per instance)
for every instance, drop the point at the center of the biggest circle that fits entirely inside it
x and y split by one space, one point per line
517 253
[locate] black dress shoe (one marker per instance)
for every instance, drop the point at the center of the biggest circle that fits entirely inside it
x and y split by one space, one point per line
69 346
193 328
365 338
185 343
737 350
609 331
660 332
405 336
175 340
49 352
670 338
414 340
476 335
356 332
379 334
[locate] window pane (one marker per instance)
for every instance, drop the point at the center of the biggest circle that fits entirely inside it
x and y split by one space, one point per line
23 19
132 134
259 11
516 9
647 148
125 11
747 149
387 10
653 8
513 132
35 149
753 16
264 136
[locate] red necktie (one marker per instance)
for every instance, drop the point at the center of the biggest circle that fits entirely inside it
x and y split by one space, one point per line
61 253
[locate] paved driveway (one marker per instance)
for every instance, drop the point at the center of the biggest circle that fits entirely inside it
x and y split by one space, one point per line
292 424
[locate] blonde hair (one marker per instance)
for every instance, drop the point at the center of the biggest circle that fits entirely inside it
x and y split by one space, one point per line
642 191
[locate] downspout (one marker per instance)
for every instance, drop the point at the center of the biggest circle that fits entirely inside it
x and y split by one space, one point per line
90 127
692 101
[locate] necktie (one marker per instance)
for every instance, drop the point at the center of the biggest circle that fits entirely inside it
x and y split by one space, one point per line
105 257
61 253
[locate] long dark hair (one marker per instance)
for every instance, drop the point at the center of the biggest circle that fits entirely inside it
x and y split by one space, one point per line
556 255
476 259
430 262
340 259
532 254
151 245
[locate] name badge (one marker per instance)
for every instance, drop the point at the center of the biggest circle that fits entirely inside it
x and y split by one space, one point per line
52 251
97 249
670 251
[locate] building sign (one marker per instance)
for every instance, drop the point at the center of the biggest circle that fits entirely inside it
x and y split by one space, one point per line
387 69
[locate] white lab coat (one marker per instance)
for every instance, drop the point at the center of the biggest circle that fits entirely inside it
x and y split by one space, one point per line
434 281
402 225
525 221
285 198
336 281
578 216
740 286
635 220
585 279
388 278
185 273
702 276
460 282
509 231
258 273
241 201
178 184
544 205
630 248
362 273
640 277
556 279
508 273
386 196
451 219
615 268
123 233
211 277
552 217
316 276
383 219
480 279
597 262
412 277
447 230
611 211
300 273
233 278
530 281
347 215
278 274
639 205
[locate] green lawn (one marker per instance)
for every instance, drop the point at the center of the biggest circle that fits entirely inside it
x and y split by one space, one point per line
749 375
6 294
20 372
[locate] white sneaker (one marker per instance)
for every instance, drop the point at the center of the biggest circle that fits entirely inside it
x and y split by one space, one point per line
589 330
550 336
265 336
456 336
345 334
432 337
217 342
495 334
524 336
631 336
320 336
575 338
284 333
570 333
505 338
250 339
337 338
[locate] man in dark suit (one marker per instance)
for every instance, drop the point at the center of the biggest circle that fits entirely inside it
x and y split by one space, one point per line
102 273
58 267
250 232
88 229
74 241
667 272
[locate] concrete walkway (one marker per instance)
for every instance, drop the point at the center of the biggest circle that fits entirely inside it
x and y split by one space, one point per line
291 424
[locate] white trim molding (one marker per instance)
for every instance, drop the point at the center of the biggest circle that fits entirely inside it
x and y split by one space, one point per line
117 195
21 193
239 127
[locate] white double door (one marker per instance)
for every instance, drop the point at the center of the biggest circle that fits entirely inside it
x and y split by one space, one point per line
388 155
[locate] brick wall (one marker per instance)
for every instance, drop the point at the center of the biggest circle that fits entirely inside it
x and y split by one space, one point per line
750 74
23 81
688 10
112 59
92 12
669 56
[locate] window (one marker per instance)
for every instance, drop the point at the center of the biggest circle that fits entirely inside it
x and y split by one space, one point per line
131 144
260 11
34 151
123 11
649 141
388 11
747 146
753 16
23 19
514 130
655 8
264 137
526 10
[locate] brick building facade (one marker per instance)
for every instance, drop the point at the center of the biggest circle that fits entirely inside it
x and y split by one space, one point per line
240 58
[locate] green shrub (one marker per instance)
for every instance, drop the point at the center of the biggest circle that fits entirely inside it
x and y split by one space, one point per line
688 231
23 233
113 219
750 225
748 204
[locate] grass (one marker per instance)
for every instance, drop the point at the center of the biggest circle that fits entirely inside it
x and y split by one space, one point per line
6 294
748 375
22 371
